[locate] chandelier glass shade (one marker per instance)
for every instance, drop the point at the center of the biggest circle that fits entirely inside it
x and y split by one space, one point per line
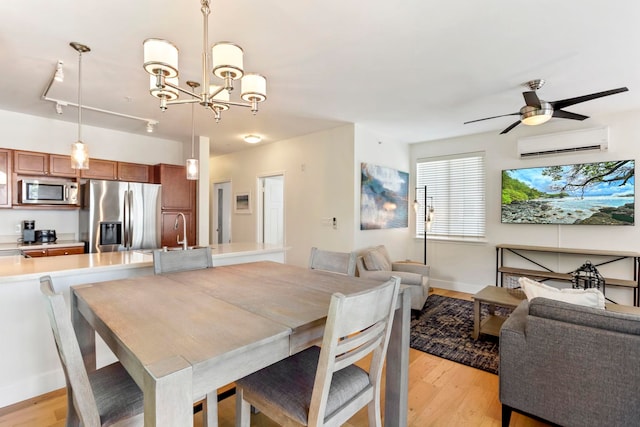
224 60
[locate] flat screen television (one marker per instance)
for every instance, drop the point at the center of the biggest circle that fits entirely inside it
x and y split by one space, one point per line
601 193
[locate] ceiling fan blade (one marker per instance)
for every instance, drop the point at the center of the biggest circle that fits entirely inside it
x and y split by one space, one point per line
494 117
510 127
572 101
531 99
561 114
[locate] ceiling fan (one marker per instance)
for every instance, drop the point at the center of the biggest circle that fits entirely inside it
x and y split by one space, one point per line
537 111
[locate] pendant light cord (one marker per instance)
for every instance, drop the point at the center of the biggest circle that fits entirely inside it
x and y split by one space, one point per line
193 130
80 96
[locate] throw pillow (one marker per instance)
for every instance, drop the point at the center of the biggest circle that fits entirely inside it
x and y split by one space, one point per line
376 260
591 297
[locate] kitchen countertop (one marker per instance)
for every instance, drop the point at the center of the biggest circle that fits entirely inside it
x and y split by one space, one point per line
17 267
29 246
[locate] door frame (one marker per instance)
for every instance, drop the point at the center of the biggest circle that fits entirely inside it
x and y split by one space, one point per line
260 205
213 211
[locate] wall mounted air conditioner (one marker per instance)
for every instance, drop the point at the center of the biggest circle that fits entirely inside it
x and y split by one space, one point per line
564 142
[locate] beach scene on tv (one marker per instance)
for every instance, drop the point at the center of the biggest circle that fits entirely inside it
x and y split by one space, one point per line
599 193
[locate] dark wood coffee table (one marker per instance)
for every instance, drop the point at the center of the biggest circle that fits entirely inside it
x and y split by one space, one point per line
496 297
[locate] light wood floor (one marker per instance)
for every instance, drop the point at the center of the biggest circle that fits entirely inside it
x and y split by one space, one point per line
441 393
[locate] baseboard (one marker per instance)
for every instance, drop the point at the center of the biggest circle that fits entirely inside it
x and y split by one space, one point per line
32 401
458 287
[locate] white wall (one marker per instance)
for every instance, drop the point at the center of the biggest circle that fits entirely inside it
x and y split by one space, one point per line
470 266
25 132
322 181
318 184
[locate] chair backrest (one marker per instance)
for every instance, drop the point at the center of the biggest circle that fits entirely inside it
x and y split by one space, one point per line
69 351
335 262
357 325
181 260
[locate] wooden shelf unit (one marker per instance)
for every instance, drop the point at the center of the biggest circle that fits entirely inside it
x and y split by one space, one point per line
546 273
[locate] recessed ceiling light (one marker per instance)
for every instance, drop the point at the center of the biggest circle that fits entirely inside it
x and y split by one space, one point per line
252 139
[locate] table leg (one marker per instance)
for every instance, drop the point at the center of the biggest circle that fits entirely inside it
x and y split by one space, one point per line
396 406
84 333
476 319
87 342
168 395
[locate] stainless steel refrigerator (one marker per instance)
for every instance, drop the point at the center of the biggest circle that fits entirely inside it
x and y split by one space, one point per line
120 216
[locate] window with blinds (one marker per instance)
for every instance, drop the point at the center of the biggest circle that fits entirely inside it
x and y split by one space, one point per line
455 189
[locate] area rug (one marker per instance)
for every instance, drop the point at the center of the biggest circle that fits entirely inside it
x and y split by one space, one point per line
444 327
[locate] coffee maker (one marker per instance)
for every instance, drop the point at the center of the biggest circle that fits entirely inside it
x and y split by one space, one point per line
28 231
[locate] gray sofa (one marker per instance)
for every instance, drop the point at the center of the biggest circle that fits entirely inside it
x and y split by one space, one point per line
375 263
570 365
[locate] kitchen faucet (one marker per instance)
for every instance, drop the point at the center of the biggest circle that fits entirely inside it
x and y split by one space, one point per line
182 242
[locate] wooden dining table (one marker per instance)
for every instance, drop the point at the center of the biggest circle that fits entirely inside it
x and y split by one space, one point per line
183 335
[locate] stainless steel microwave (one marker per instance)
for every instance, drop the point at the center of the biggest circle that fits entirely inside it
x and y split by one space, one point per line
48 192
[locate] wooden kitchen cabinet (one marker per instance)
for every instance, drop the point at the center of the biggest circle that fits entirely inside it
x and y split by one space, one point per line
169 234
42 164
135 172
178 193
60 165
6 177
72 250
100 169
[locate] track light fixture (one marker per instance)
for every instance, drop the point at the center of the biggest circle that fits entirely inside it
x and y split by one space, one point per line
59 75
226 60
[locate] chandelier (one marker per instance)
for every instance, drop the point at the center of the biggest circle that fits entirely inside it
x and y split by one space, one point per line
161 62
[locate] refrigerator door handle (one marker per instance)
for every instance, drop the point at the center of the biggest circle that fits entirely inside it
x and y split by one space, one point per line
130 225
125 210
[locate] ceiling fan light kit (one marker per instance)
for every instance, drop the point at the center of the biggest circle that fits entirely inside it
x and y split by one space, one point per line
536 111
226 62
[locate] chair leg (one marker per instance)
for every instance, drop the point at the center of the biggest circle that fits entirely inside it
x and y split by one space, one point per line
243 410
210 410
373 410
506 415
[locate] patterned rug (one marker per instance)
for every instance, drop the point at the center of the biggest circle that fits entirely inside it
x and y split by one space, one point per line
444 327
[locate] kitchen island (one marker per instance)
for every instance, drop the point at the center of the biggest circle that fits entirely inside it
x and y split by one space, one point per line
30 366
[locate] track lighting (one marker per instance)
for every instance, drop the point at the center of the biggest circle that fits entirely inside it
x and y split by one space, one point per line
58 108
150 127
59 75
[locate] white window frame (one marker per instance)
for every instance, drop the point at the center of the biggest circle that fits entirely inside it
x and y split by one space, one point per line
456 189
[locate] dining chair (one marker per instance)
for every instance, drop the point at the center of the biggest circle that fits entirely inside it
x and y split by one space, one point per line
323 386
105 397
335 262
181 260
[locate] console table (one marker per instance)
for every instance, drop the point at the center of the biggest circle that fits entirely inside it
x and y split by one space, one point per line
541 272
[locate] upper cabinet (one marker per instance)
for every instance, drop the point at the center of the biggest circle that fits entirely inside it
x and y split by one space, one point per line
42 164
178 193
133 172
100 169
5 178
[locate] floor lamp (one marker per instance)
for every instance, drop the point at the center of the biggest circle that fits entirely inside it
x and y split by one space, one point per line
428 216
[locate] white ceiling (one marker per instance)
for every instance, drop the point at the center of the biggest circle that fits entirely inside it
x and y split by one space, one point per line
413 70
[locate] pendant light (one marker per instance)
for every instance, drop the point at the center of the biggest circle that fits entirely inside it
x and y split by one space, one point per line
192 163
79 152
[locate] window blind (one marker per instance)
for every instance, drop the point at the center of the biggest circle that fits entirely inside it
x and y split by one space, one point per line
456 191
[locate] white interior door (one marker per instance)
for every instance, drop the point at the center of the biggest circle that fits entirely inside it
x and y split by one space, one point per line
220 213
272 209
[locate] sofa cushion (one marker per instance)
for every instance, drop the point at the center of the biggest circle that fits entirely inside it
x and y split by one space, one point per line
377 259
588 297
